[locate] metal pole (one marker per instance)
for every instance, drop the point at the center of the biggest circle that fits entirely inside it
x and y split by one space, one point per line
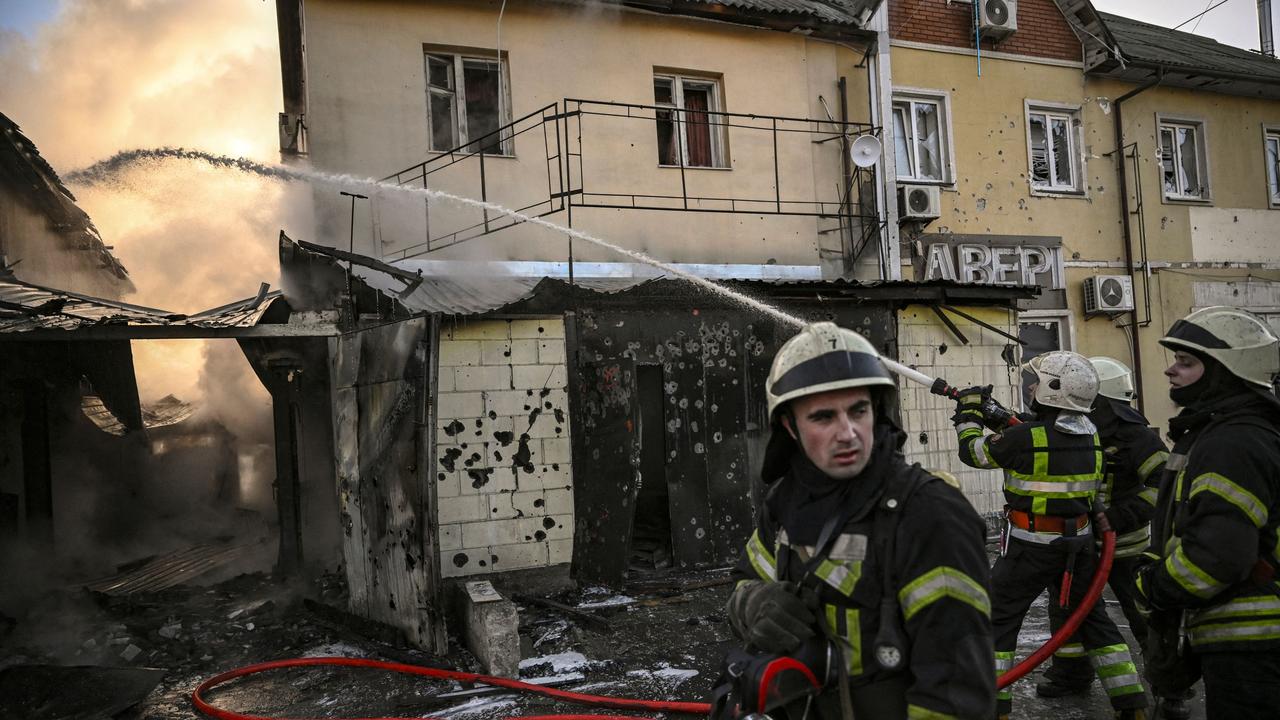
351 235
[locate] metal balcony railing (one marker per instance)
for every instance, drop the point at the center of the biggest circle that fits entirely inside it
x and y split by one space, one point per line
563 141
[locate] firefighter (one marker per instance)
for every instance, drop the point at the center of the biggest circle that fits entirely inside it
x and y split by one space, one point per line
882 558
1212 593
1133 461
1053 465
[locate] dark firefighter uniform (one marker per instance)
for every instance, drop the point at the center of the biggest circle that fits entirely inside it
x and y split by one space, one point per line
936 571
1217 527
1051 477
1133 459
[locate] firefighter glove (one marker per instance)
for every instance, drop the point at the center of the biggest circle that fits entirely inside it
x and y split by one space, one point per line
969 404
1148 562
772 616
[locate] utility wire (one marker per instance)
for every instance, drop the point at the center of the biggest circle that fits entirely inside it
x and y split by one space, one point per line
1197 23
1193 17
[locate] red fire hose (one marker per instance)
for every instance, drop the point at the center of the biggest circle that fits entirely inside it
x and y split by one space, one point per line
197 697
1077 617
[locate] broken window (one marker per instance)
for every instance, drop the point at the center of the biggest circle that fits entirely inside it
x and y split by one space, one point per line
919 139
1051 139
1273 166
466 104
691 132
1182 161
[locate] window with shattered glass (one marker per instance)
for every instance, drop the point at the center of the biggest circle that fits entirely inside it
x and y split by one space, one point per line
467 105
1182 161
1272 160
1051 138
920 145
691 130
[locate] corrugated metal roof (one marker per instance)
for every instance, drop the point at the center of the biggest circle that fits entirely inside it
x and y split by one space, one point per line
168 410
1142 52
172 569
473 295
28 171
25 307
842 13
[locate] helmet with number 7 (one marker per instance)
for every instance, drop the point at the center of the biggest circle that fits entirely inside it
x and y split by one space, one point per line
1242 342
1064 379
823 357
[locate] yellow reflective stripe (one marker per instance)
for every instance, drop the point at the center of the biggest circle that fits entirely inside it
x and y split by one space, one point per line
1268 629
760 557
1039 505
1237 608
1040 454
1246 501
1149 496
915 712
1149 465
1190 576
1115 668
942 582
980 454
839 575
1004 663
852 637
1070 650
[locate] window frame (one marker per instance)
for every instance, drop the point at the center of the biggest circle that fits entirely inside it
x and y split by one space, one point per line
1199 126
459 57
1271 133
946 150
1075 139
717 126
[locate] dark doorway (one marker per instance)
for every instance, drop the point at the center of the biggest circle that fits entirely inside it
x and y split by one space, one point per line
651 523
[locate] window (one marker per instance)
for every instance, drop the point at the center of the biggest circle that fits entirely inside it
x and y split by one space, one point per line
467 113
690 130
1052 148
1272 159
921 138
1182 161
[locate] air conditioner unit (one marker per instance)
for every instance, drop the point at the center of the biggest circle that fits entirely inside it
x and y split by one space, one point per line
919 202
1108 294
997 18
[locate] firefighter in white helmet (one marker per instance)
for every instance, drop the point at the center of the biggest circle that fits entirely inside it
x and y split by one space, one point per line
1212 590
856 547
1133 458
1053 467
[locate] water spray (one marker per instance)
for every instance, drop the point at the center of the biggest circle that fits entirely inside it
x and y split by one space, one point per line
103 172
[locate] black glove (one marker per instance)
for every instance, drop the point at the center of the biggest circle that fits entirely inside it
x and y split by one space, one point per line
771 616
969 404
1147 563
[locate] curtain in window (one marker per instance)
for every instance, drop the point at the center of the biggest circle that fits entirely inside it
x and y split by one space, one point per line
902 142
1061 151
1039 150
697 128
667 138
928 141
1187 149
1273 167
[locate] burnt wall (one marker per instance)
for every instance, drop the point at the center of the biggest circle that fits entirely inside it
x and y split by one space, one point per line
712 362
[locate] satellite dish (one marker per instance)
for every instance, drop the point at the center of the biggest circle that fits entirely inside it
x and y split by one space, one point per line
864 151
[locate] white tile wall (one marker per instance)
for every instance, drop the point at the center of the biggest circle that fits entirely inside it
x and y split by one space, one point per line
926 344
493 375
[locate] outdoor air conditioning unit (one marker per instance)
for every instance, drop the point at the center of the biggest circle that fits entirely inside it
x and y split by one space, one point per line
919 202
1108 294
997 18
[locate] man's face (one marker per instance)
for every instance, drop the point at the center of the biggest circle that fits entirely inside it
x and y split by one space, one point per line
1185 370
835 429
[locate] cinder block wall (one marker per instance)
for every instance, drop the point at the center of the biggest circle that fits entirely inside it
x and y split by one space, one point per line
503 475
926 344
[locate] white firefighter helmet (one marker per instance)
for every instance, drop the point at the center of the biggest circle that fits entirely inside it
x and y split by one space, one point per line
1115 380
823 357
1242 342
1064 380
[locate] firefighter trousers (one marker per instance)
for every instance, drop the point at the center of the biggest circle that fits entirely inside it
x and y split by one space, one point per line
1070 665
1019 577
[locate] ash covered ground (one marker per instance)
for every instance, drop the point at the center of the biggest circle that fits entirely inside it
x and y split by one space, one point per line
654 642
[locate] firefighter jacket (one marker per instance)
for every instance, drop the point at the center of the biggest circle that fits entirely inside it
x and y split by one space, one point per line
1216 523
1052 466
932 565
1133 460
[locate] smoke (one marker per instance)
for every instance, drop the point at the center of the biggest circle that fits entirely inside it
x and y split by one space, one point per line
104 76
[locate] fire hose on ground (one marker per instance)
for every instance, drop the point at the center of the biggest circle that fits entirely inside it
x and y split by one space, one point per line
937 385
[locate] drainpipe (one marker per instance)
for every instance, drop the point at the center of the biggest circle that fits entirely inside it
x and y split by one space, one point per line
1267 43
1124 219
